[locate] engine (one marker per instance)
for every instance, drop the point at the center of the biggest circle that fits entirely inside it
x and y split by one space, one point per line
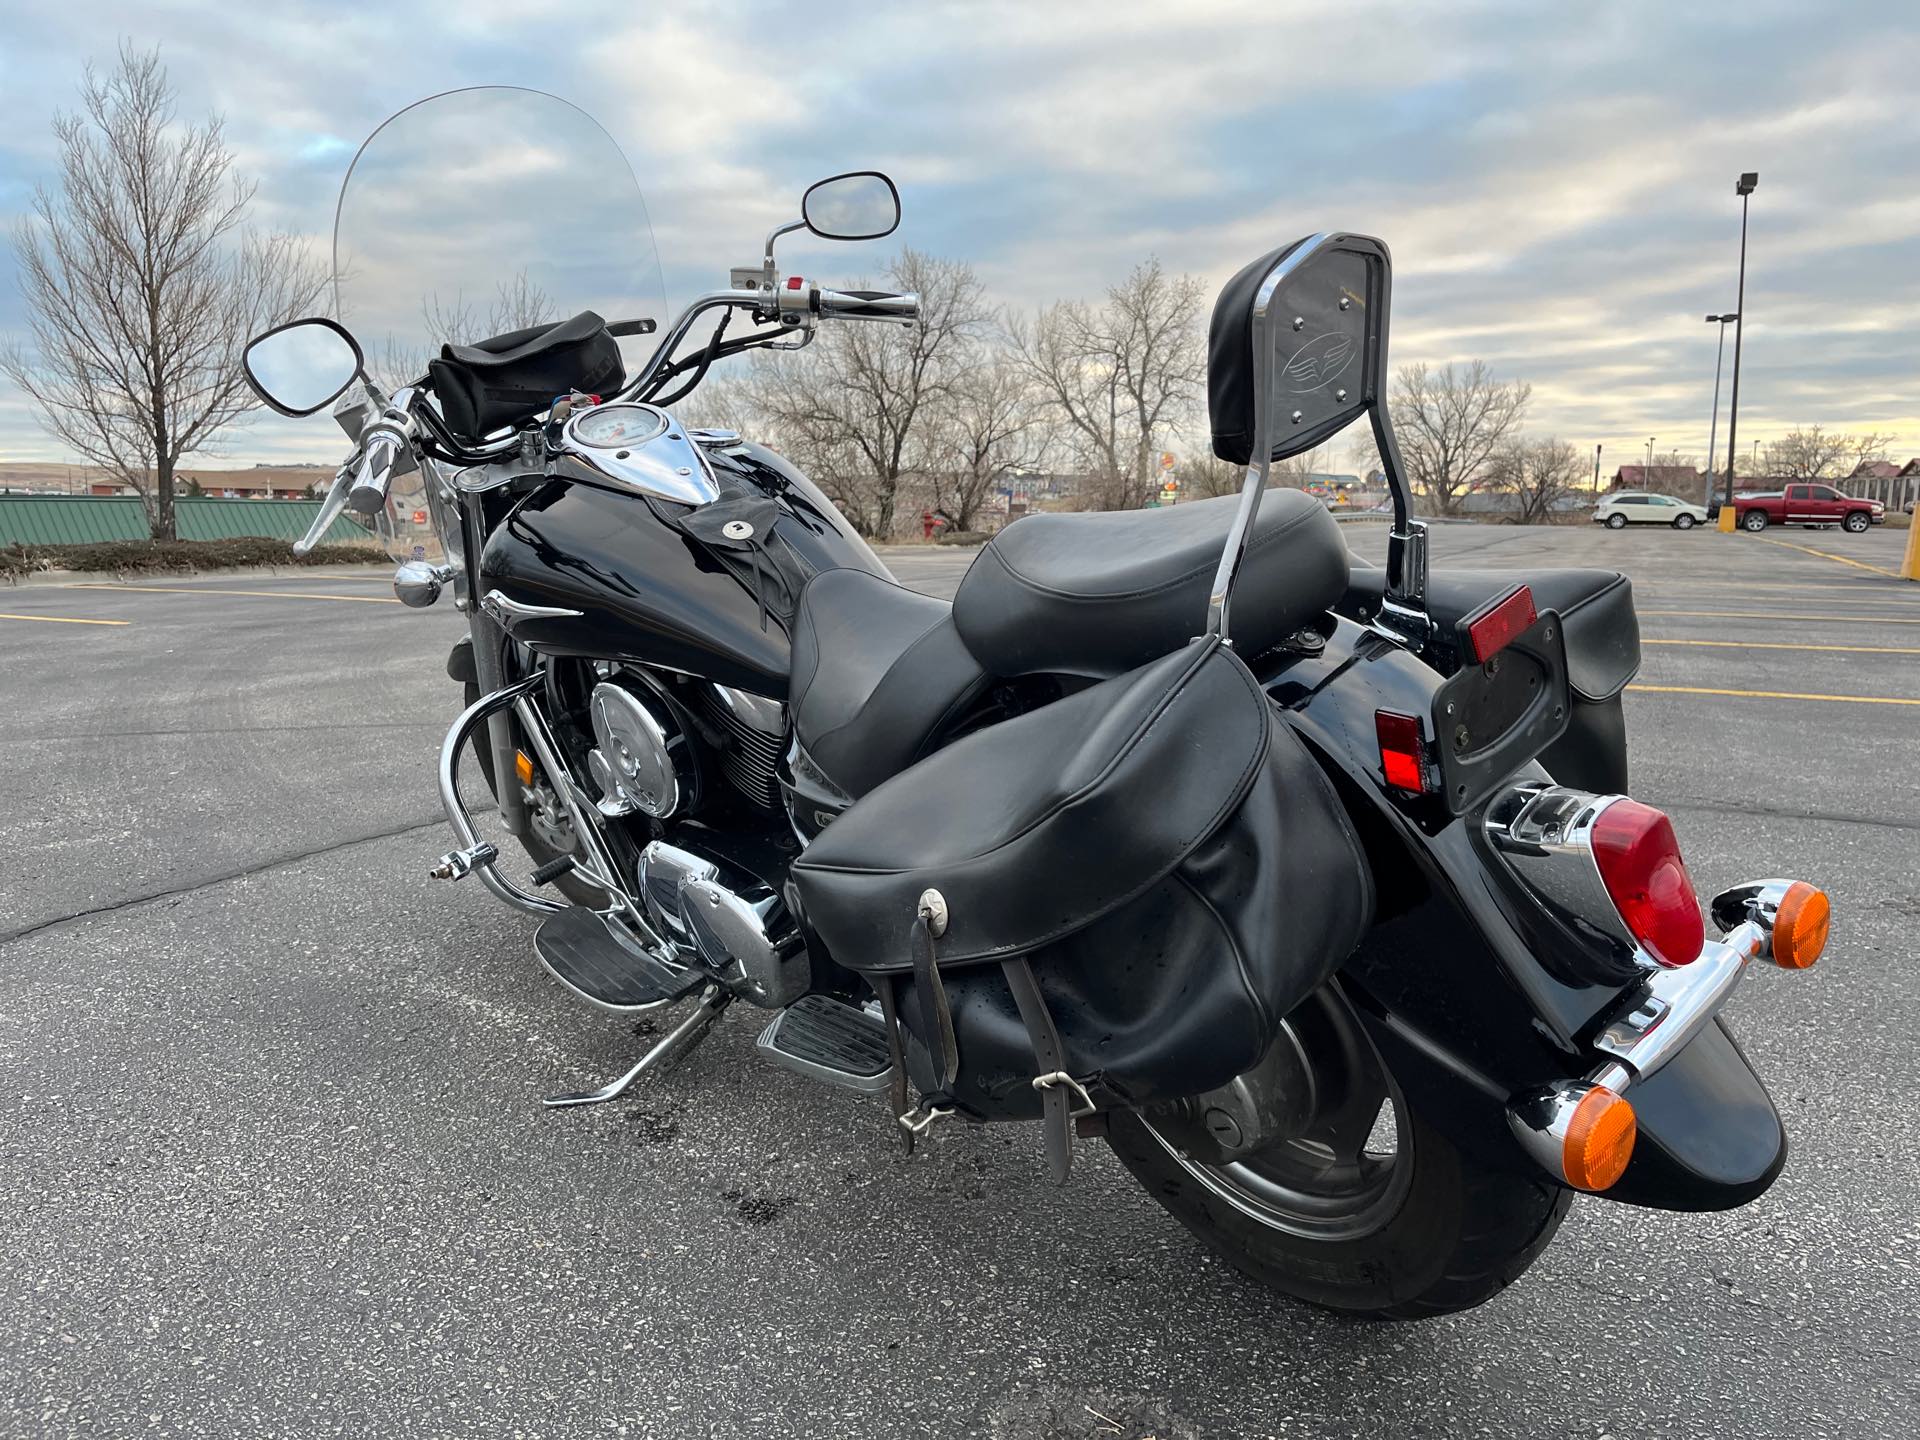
644 761
641 761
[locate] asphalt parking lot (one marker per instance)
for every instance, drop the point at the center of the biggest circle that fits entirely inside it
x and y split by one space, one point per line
272 1160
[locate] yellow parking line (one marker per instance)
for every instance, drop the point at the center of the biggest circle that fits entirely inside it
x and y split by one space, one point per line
63 620
1863 588
1772 694
1787 645
260 594
1777 615
1828 555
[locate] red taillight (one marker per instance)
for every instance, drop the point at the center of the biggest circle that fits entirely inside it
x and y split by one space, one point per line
1641 866
1401 751
1492 632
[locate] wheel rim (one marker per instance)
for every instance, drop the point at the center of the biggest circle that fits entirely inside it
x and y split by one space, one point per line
1348 1172
1856 523
1756 522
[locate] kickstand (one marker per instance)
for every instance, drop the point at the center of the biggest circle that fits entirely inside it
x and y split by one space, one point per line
683 1037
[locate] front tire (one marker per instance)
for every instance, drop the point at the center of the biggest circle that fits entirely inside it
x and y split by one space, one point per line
1684 522
571 887
1423 1233
1754 521
1616 521
1857 522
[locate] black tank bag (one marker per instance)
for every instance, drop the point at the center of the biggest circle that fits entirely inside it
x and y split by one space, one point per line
1107 902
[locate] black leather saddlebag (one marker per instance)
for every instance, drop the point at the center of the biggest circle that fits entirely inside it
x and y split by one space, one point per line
514 377
1108 901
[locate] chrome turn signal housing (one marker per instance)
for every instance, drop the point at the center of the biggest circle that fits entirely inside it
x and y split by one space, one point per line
1581 1131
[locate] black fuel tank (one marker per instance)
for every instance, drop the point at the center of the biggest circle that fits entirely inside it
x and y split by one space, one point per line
648 593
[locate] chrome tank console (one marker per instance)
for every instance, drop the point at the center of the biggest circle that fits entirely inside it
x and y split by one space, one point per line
640 448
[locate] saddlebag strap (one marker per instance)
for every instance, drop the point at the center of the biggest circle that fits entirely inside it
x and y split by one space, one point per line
936 1015
888 986
1052 1081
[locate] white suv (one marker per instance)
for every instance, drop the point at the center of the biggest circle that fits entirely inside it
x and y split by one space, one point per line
1633 507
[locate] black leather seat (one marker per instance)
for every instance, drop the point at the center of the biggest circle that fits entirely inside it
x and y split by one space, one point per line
878 673
1101 594
1595 606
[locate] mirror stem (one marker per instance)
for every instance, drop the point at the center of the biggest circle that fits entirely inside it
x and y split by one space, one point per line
773 235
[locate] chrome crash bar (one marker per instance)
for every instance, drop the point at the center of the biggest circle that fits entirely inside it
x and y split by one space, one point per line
478 857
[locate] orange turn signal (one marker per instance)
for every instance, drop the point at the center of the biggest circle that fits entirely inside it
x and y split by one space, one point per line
523 766
1800 926
1599 1141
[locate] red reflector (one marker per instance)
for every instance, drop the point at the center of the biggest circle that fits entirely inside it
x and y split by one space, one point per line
794 282
1641 867
1401 750
1496 629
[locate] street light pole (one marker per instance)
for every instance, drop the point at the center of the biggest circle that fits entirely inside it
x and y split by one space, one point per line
1744 188
1596 472
1713 432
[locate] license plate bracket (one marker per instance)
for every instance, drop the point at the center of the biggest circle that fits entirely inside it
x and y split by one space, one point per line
1491 718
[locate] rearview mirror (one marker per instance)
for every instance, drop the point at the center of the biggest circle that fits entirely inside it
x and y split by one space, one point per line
303 366
863 205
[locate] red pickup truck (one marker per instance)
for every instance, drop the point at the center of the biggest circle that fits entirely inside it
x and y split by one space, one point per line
1807 503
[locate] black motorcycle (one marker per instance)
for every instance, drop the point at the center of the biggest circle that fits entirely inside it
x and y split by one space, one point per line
1312 889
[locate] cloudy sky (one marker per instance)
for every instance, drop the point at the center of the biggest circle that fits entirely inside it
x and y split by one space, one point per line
1556 182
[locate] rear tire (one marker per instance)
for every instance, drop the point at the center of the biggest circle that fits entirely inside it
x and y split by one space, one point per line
1857 522
1754 521
1616 521
1429 1235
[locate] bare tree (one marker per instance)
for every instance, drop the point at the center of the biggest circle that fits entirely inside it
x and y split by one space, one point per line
143 284
1813 453
850 408
1206 475
1119 376
983 426
1538 474
1450 422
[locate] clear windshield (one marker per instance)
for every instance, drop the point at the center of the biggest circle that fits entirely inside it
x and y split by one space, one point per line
481 211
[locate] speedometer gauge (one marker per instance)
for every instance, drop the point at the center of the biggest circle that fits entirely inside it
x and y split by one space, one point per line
617 427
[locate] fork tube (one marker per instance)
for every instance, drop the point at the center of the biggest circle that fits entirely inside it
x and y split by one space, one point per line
488 642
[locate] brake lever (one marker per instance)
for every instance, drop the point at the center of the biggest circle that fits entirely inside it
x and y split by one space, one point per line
330 509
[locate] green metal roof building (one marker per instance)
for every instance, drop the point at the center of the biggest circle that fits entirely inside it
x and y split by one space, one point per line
89 519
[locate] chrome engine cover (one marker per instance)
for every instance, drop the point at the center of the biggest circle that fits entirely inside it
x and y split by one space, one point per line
632 764
745 936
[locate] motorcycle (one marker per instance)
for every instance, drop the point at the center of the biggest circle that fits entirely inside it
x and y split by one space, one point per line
1313 888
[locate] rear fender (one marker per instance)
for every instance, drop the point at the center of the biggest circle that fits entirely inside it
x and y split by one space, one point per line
1474 992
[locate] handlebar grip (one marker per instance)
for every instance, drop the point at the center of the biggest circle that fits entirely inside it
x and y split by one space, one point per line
868 305
368 495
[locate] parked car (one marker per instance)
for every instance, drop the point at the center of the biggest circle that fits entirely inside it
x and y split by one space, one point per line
1633 507
1807 503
